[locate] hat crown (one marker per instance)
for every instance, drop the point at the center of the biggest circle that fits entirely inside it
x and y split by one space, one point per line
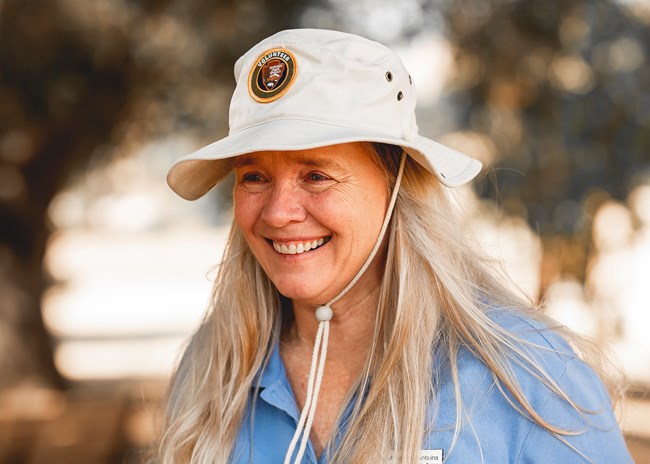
340 79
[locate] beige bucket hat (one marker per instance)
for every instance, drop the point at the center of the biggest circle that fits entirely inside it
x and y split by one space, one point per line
307 88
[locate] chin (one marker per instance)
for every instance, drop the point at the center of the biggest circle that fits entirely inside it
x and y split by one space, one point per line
302 294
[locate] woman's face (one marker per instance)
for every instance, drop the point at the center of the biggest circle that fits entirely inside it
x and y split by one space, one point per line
311 217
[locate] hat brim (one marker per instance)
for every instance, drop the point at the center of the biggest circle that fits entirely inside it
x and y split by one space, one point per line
194 175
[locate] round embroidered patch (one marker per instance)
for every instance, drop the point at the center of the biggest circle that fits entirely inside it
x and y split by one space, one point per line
272 75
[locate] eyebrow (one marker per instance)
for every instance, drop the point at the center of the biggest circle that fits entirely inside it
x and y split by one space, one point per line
320 162
242 161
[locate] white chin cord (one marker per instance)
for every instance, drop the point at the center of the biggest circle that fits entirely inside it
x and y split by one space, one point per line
324 315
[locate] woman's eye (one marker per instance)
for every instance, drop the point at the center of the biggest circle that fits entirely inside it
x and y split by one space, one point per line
251 177
252 182
316 176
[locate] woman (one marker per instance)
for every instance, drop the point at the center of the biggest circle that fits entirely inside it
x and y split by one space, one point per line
348 290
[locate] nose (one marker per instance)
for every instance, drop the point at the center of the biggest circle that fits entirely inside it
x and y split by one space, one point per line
283 205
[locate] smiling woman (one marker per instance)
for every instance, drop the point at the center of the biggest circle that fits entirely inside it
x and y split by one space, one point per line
353 319
334 196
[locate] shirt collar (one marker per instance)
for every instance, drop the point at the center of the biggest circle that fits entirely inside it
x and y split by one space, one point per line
273 371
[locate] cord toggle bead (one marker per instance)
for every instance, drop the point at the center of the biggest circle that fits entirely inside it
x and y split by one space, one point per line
324 313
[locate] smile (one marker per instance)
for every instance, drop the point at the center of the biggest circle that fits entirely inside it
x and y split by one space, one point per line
297 248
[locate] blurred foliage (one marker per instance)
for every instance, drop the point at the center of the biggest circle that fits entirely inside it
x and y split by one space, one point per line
562 90
81 82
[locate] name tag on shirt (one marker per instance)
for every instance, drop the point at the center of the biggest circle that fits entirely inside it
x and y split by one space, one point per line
430 456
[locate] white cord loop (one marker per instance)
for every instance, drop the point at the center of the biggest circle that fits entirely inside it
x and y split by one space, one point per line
324 314
306 410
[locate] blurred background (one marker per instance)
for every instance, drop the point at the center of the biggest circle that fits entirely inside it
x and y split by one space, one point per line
104 273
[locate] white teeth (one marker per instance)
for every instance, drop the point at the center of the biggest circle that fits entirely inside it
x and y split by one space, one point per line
294 249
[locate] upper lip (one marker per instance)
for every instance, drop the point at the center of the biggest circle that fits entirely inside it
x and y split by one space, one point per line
297 239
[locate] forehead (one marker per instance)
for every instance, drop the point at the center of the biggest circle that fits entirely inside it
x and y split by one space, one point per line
339 157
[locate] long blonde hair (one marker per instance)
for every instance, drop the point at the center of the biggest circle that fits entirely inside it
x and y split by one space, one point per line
437 285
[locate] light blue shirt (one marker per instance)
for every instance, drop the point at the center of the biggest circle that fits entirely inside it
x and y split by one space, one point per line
493 432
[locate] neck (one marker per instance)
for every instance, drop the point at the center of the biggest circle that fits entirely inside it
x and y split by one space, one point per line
351 328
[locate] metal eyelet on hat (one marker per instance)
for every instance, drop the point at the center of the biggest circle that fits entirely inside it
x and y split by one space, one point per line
400 96
389 76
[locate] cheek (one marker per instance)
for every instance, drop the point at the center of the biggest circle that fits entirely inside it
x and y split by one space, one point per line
371 216
358 212
372 211
331 209
245 211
